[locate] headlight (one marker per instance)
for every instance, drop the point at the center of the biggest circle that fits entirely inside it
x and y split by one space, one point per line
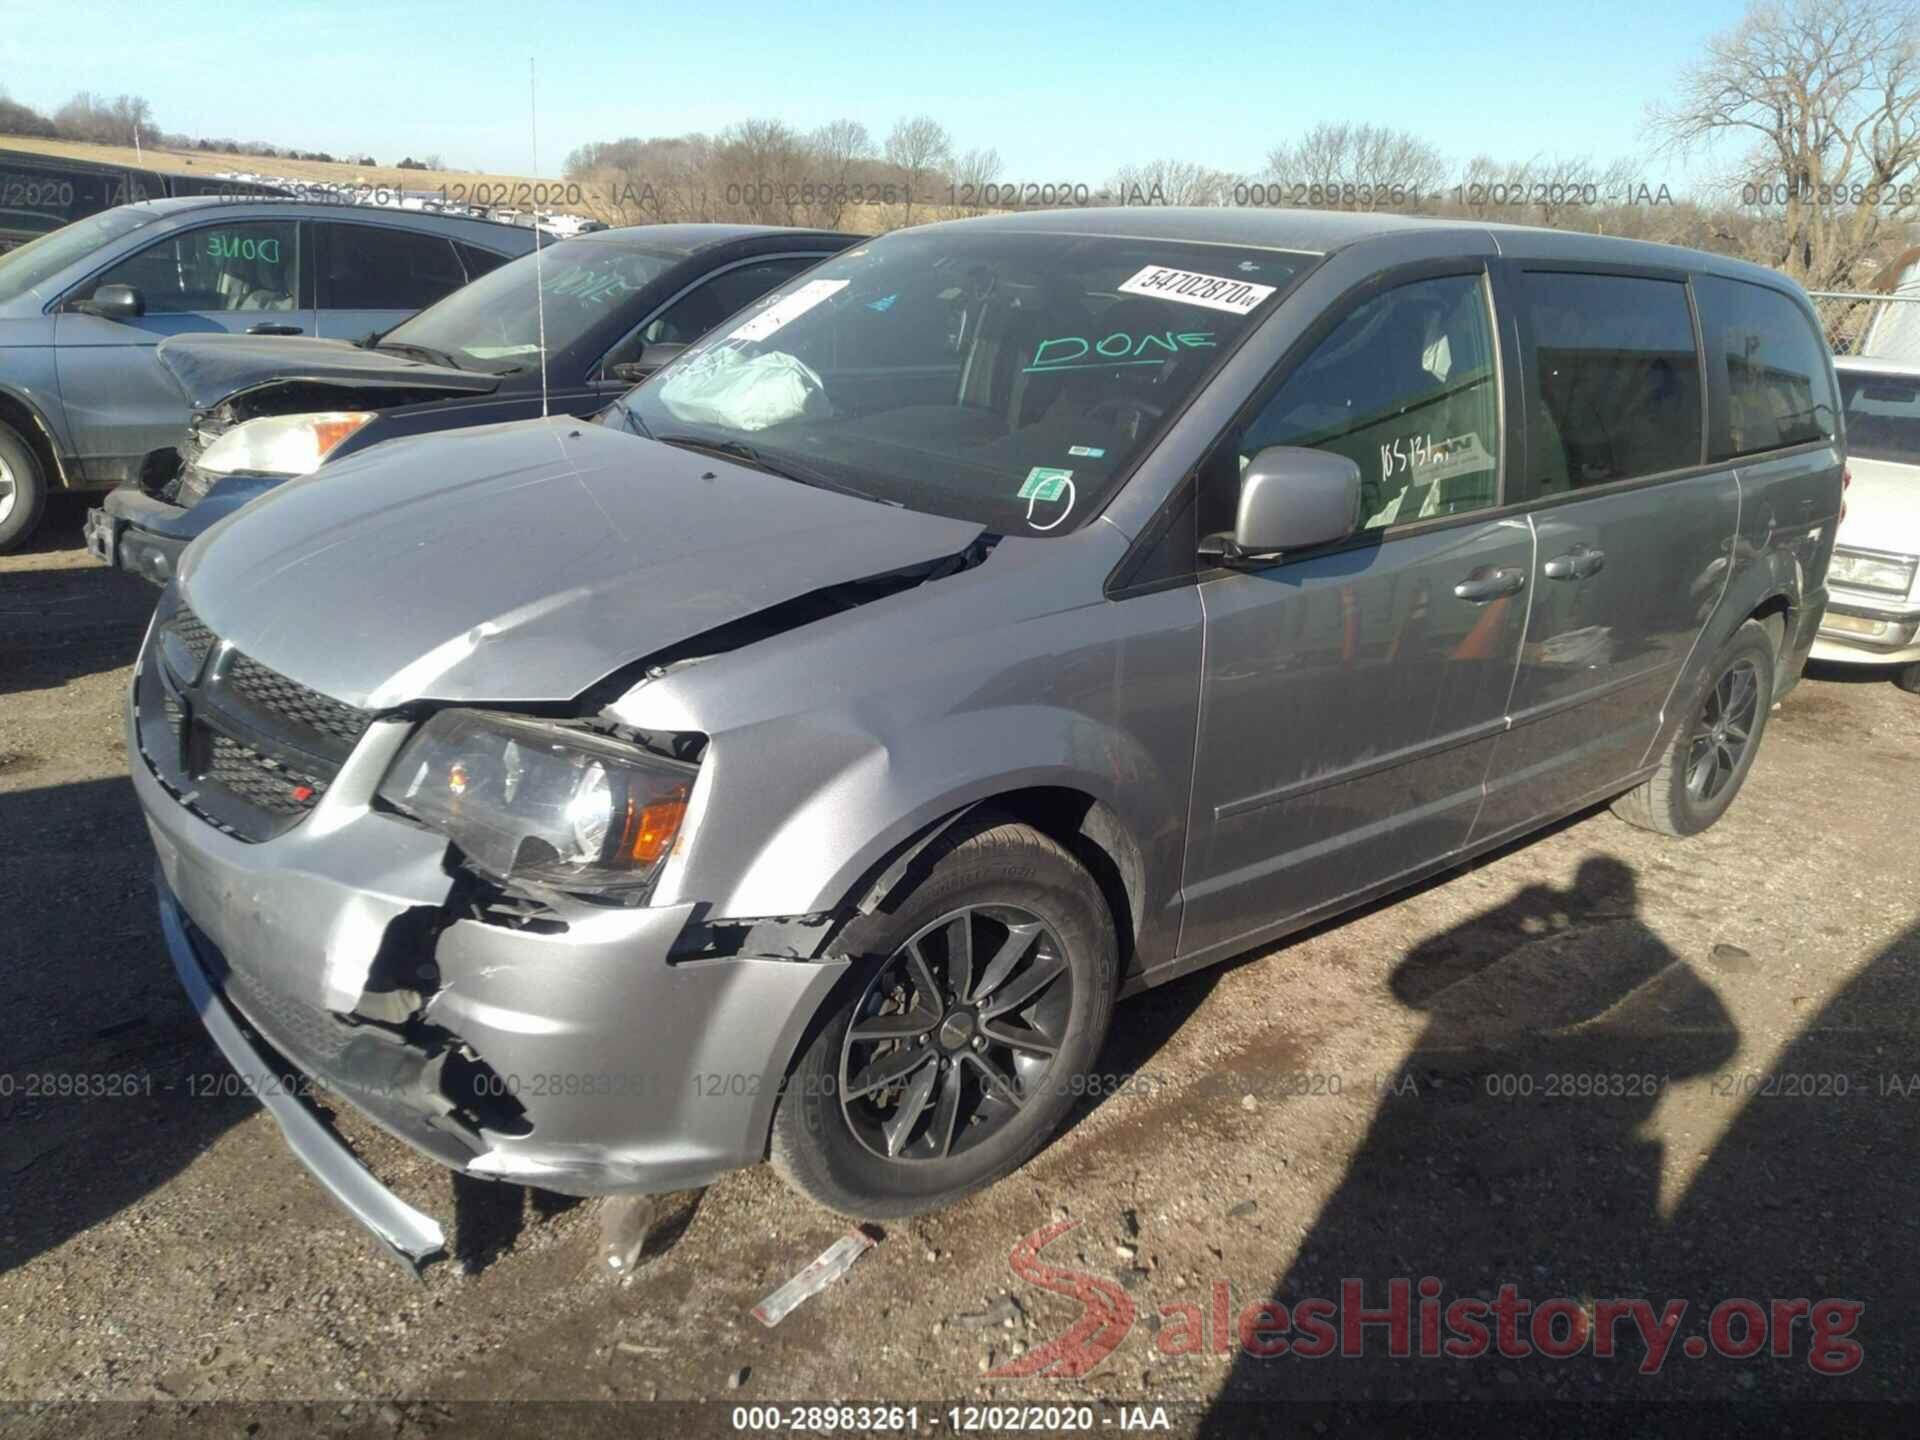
281 444
1864 570
527 800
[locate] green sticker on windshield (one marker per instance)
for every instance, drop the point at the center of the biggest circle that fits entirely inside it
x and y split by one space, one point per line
1045 483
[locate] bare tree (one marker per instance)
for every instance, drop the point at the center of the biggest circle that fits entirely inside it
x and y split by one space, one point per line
839 148
1823 93
920 149
1171 182
974 175
100 121
1365 166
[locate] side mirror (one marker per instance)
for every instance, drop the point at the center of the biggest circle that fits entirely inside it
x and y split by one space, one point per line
114 302
1294 499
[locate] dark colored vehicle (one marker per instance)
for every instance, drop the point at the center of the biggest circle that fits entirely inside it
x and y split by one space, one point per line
40 193
1002 619
83 404
610 309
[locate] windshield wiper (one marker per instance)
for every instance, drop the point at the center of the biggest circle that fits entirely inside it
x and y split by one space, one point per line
632 419
785 469
438 357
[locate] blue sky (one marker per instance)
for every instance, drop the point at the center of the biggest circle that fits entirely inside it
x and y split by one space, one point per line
1065 91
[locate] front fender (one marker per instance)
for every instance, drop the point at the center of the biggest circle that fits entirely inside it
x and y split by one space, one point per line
853 822
827 755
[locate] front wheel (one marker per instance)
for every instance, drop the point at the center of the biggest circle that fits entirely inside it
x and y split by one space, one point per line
23 491
1909 679
1709 759
956 1048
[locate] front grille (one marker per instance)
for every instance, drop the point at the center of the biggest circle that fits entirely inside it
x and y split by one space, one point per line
249 749
275 786
273 691
193 633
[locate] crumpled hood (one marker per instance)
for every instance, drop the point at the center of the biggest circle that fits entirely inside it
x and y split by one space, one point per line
524 562
210 369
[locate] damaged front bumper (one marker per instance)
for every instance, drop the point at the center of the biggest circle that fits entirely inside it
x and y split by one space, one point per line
589 1051
135 532
412 1236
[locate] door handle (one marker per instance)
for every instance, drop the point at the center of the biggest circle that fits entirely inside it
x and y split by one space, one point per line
268 328
1577 564
1481 588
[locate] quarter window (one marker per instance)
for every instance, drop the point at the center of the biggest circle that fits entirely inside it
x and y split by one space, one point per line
248 265
1403 387
1774 366
1615 380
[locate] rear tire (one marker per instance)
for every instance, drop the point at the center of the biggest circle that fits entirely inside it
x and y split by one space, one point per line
1709 758
23 490
1001 912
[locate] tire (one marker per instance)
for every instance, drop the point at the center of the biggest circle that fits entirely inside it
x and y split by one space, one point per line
1909 679
1683 797
23 491
997 882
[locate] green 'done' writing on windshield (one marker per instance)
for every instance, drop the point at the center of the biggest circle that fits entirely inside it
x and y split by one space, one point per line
1076 352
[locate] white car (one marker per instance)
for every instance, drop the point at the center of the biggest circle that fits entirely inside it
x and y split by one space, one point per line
1873 606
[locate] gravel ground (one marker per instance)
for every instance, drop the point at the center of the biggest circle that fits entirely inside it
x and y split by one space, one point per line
1600 1064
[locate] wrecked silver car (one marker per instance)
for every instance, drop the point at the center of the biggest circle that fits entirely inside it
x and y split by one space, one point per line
1003 618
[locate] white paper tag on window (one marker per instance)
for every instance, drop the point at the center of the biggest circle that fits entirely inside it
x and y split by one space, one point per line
788 307
1190 287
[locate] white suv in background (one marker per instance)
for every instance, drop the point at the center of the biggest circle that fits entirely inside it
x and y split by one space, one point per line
1873 605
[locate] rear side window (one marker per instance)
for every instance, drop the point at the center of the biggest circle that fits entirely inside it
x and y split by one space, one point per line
1773 365
1404 388
713 300
1614 380
370 267
1883 416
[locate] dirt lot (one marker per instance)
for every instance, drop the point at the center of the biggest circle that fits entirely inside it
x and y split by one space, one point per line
1600 1065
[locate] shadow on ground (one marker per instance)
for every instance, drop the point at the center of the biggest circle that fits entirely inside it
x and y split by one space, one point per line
1512 1150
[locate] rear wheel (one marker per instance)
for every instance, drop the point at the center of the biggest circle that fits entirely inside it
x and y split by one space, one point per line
23 490
1709 759
952 1053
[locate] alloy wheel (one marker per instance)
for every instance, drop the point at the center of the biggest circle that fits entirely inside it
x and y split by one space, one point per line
955 1034
9 491
1723 731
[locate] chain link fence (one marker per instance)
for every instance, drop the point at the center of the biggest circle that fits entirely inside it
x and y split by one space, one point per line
1853 321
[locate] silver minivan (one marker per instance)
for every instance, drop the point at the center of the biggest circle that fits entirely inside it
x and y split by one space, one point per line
1001 619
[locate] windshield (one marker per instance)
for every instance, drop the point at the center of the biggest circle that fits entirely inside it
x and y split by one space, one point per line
38 261
494 323
1883 416
1001 377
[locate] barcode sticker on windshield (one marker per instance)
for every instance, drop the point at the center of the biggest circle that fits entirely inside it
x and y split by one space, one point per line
1190 287
788 307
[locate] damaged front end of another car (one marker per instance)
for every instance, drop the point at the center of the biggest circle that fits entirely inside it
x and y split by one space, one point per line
265 410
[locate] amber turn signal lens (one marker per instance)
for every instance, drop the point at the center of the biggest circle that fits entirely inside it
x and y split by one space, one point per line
651 829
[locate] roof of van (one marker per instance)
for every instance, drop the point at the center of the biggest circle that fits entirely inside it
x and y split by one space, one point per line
1322 232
